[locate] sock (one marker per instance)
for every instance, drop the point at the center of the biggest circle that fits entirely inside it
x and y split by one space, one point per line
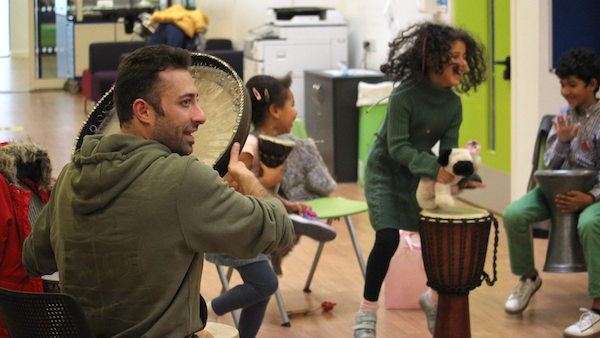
533 279
432 296
368 306
596 311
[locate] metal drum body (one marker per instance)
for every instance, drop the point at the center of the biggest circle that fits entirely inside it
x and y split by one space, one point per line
222 96
565 253
454 244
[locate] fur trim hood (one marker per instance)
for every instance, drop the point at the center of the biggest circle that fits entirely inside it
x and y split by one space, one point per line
12 155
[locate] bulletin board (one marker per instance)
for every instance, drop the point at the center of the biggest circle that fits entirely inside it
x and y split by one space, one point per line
575 24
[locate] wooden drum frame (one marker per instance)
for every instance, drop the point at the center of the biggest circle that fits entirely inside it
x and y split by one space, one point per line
454 244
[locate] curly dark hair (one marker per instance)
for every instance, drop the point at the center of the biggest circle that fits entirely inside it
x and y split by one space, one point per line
582 63
406 58
138 77
264 91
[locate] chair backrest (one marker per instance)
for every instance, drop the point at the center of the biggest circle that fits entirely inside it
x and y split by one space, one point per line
299 130
218 44
540 148
106 55
30 314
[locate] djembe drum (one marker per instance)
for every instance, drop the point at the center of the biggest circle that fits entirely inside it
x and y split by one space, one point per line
222 96
565 253
454 244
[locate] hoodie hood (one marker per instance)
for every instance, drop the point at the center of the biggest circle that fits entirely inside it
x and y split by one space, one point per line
106 165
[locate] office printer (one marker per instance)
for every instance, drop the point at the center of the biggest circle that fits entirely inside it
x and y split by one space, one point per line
296 39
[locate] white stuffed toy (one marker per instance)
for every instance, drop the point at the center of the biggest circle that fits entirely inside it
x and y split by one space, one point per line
459 162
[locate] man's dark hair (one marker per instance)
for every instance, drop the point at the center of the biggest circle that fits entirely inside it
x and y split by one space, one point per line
138 77
581 63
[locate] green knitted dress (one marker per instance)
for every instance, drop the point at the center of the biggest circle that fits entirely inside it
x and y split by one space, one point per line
419 115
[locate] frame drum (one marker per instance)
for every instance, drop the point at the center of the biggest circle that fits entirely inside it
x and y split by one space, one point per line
222 96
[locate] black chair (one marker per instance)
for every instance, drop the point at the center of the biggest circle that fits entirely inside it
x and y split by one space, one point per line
223 49
540 229
30 314
218 44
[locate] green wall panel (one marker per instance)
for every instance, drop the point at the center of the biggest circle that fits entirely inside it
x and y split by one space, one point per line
475 17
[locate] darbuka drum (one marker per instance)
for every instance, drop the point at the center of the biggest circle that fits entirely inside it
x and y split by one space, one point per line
221 95
454 245
565 253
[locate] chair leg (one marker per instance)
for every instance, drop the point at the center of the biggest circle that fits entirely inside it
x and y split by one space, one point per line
314 266
282 311
84 105
225 283
281 305
361 260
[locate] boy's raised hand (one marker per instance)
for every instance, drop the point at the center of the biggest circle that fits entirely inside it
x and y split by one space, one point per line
565 131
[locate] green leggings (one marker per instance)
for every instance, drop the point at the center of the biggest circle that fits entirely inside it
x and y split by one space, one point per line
533 207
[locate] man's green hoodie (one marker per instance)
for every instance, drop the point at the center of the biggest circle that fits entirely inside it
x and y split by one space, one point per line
127 227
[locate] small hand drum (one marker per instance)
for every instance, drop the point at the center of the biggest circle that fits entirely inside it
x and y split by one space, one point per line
274 151
222 96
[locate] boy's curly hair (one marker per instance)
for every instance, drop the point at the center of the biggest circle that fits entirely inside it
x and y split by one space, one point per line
581 63
434 41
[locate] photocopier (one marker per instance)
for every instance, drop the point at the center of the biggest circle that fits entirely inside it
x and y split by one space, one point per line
295 39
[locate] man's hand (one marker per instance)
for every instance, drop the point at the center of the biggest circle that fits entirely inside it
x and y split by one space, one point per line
444 176
573 201
565 131
236 168
246 181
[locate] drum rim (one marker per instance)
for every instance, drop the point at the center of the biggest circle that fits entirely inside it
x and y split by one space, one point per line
243 119
473 217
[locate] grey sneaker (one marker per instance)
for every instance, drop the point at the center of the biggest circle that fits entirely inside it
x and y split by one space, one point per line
521 294
365 324
587 326
430 311
312 228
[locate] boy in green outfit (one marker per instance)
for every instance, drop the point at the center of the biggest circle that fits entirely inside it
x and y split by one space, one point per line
571 144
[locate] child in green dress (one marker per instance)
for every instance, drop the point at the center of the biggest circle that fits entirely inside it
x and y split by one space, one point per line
432 61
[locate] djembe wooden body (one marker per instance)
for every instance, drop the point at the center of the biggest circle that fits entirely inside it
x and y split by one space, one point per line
454 244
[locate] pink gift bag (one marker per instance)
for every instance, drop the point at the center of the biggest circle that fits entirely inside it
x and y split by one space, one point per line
406 281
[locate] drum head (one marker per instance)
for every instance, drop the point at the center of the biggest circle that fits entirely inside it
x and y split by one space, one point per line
221 95
455 213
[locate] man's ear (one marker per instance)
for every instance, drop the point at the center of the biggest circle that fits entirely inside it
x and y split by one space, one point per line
444 157
142 110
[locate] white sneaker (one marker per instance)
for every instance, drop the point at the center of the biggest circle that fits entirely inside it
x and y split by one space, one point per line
365 324
521 294
313 228
587 326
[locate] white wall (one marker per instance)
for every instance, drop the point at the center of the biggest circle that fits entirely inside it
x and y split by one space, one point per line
19 28
233 19
534 90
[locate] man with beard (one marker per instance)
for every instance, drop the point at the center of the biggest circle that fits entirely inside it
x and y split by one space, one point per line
132 215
